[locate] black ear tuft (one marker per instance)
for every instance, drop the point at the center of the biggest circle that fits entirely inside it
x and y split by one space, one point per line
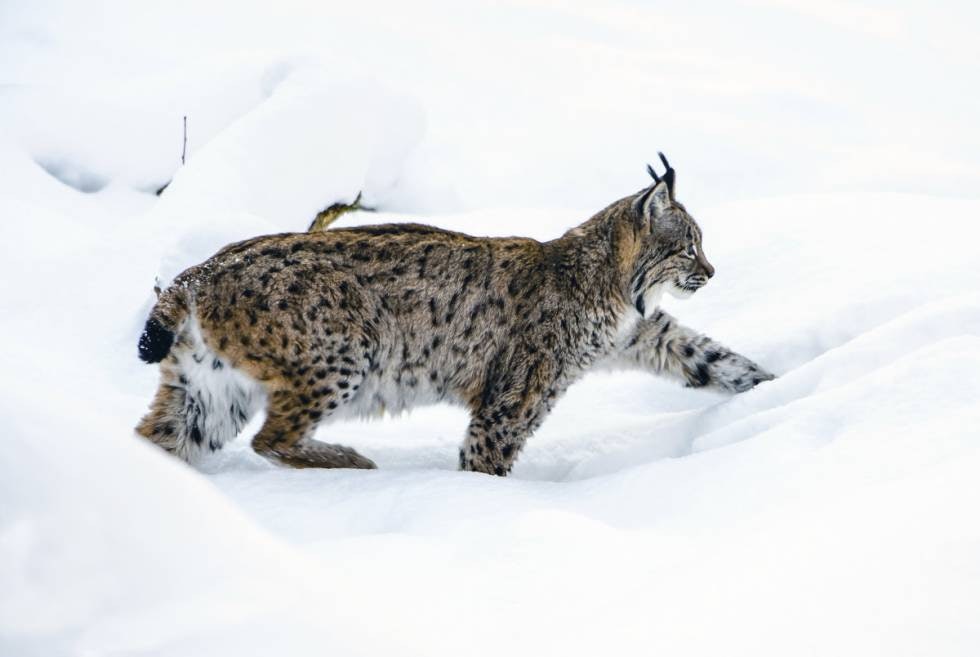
670 175
653 173
661 199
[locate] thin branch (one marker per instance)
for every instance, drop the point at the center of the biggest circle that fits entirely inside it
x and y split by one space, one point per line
183 159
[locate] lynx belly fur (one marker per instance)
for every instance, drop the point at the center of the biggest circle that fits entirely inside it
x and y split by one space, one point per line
320 326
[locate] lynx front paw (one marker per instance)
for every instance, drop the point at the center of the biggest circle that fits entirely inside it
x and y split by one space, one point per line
484 463
725 370
747 379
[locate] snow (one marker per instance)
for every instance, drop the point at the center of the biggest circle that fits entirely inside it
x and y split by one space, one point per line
831 511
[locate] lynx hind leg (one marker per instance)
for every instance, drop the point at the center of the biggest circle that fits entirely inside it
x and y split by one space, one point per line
201 403
166 422
292 416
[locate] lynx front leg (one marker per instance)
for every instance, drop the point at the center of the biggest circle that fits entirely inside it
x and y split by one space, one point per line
492 445
663 346
517 399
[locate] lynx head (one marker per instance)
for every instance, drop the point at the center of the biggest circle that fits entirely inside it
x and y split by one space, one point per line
669 258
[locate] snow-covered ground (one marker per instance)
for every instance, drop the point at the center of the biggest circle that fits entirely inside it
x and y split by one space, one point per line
828 150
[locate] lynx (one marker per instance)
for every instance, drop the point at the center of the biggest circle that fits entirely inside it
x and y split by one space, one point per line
342 323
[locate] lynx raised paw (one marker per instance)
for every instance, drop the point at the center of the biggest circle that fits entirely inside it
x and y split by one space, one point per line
728 371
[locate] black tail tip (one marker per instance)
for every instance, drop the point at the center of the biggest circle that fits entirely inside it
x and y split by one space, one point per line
155 342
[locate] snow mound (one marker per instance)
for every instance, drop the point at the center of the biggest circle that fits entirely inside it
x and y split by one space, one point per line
831 511
638 511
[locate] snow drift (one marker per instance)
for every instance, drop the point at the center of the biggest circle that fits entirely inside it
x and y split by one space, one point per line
832 510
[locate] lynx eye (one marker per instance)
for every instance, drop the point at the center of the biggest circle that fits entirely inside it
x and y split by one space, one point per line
691 252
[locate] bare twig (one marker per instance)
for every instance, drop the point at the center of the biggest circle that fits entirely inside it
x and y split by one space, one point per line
183 159
329 215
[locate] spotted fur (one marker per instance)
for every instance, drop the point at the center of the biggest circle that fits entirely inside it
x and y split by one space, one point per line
321 326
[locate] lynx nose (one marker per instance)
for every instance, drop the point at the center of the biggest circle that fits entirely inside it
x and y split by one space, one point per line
709 271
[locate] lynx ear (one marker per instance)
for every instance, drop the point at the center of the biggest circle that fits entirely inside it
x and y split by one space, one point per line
669 176
655 200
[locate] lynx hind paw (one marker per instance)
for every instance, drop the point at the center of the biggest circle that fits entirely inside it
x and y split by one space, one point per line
311 453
